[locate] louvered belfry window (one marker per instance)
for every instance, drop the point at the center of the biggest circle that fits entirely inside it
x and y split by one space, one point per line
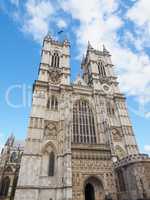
83 123
101 69
55 60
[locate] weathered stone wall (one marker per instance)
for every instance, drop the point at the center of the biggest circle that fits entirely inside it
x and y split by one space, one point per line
97 164
136 175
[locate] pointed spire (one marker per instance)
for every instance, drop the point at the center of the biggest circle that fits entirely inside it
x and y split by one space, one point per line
66 42
83 60
105 51
48 36
10 140
89 46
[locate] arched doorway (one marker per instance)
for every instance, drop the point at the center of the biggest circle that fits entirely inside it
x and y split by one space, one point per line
93 189
89 192
4 187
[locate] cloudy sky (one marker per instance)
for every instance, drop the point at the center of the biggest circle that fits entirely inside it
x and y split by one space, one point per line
122 25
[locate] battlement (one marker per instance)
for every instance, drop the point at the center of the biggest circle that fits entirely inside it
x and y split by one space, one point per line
132 159
53 41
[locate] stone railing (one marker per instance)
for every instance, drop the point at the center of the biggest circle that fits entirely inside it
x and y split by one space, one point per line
132 159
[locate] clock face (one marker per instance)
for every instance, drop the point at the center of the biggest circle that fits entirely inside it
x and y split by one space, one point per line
114 159
106 88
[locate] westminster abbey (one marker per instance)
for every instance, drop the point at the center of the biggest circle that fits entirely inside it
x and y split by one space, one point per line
80 143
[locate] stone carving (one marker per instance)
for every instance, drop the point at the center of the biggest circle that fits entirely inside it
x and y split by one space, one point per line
51 130
120 152
116 135
54 76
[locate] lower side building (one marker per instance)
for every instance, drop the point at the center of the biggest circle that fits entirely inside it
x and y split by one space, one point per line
10 159
133 177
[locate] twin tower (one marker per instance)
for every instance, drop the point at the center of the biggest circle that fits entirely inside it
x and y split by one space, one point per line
77 132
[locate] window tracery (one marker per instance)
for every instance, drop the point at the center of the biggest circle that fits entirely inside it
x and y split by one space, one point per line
101 69
83 123
52 103
55 60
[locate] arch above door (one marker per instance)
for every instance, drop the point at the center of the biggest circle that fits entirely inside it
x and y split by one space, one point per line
93 189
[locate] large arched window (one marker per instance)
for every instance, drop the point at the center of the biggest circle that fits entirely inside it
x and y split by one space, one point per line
4 186
83 123
55 60
51 164
101 69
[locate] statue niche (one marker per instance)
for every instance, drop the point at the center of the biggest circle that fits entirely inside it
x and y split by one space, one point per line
116 135
50 131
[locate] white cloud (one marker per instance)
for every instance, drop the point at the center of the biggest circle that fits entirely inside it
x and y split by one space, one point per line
147 114
61 23
99 23
140 12
134 73
37 18
147 148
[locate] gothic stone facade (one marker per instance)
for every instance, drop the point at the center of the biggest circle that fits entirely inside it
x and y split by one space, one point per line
76 130
10 159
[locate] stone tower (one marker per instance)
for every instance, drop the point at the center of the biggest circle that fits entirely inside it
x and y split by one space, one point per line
111 108
76 130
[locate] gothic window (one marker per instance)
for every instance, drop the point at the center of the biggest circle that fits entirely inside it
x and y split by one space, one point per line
83 123
52 103
51 164
4 186
101 69
48 103
55 60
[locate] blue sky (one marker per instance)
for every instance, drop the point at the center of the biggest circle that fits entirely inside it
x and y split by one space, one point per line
122 25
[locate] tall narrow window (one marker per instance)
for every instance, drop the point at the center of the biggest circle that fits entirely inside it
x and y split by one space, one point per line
4 186
51 164
83 123
48 103
55 60
52 103
101 69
